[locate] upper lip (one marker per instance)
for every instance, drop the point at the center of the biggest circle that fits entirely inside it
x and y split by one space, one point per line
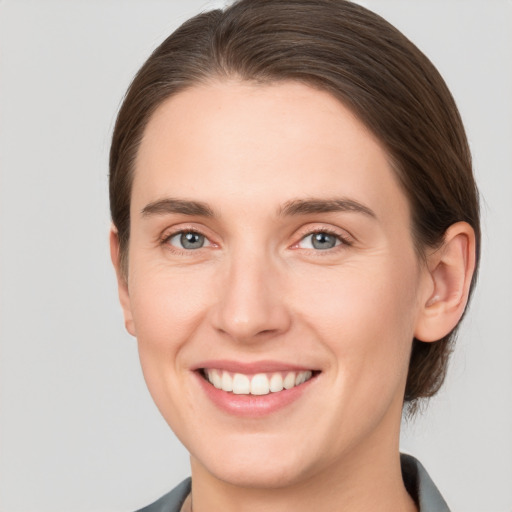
249 368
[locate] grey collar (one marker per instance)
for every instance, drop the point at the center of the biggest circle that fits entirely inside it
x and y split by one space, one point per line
420 486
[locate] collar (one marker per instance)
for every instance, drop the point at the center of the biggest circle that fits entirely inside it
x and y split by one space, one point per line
420 486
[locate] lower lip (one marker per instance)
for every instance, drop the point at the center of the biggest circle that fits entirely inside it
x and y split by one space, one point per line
252 406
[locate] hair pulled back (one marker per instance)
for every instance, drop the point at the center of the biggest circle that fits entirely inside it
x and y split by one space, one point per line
358 57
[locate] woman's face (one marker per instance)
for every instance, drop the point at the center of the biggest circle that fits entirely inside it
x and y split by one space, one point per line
271 243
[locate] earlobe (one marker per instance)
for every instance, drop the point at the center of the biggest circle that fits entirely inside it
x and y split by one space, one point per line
122 284
450 269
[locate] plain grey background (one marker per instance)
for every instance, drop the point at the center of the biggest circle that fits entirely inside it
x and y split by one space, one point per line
78 430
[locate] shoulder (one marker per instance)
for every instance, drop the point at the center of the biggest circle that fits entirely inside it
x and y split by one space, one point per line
172 501
420 486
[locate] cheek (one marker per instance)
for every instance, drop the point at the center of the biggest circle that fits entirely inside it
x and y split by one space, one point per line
167 308
166 304
366 317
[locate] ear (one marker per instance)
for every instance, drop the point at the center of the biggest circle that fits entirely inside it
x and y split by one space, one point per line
122 284
450 269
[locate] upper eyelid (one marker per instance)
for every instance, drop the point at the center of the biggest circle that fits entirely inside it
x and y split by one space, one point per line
169 232
341 233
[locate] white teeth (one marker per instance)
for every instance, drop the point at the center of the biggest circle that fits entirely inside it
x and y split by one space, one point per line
241 384
303 377
227 382
259 384
289 381
215 379
276 383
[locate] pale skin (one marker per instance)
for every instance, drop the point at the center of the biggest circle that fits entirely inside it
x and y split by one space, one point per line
266 164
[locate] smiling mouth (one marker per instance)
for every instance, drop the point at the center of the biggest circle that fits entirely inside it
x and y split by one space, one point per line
257 384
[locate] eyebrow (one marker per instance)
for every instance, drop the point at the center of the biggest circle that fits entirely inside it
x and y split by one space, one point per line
310 206
290 208
183 206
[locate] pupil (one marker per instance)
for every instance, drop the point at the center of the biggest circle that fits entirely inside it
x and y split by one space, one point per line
192 240
323 241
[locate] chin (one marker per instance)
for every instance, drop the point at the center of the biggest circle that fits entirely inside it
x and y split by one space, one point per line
264 473
256 461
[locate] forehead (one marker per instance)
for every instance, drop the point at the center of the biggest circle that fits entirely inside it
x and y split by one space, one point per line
238 143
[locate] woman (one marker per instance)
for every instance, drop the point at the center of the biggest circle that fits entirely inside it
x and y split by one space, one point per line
296 235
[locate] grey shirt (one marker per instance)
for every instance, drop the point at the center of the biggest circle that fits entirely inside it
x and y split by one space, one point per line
416 480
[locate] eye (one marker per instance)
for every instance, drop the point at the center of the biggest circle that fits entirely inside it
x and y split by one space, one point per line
188 240
321 240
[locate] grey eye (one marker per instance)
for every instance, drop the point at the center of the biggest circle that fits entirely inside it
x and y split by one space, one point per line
188 240
320 241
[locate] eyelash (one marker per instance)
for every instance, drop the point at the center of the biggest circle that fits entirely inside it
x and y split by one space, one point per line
165 239
344 240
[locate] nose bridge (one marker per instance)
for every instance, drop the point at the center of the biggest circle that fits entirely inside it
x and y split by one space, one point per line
251 303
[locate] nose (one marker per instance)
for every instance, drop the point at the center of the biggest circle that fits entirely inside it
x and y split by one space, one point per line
251 303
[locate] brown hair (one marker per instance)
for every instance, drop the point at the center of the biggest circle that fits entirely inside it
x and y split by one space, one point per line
358 57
